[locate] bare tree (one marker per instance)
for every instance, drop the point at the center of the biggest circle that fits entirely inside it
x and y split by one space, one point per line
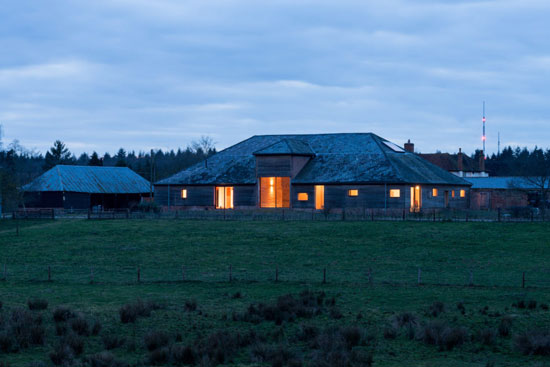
535 175
205 144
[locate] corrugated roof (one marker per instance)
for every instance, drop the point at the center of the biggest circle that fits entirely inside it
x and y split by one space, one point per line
501 183
339 158
90 179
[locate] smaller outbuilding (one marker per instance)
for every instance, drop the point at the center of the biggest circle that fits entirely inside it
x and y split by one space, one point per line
86 187
503 193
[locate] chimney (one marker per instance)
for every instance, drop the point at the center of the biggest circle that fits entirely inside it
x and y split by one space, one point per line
409 147
482 161
460 162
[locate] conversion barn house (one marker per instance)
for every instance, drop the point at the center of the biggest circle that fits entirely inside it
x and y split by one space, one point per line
321 171
85 187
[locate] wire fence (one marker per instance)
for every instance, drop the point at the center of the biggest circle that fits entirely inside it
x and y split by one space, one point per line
376 275
349 214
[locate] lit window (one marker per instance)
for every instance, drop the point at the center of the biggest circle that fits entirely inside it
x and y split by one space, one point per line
353 192
434 193
224 197
453 193
302 196
275 192
462 193
184 194
395 193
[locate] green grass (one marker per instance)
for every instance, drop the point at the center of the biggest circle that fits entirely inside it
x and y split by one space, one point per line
496 253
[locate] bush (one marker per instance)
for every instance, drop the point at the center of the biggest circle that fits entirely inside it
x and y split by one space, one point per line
38 334
505 326
62 314
159 357
533 342
131 311
112 341
236 295
307 333
7 342
19 330
60 329
147 207
487 336
405 319
37 304
390 332
155 340
440 334
461 308
180 355
437 308
61 355
104 359
287 308
80 325
96 328
544 306
74 342
190 305
532 304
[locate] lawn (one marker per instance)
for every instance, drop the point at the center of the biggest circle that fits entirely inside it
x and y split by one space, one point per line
372 271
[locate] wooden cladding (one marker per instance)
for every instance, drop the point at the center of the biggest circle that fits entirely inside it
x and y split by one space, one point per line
275 192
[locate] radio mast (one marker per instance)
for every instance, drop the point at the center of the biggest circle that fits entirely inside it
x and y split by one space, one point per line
483 138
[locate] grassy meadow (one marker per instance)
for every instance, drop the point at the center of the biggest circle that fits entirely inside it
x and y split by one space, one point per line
370 312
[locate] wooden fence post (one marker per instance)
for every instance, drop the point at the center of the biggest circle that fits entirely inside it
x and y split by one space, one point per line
419 276
471 283
466 216
139 274
92 274
403 214
434 215
89 213
277 274
17 227
230 273
5 272
127 213
49 274
372 215
324 275
499 214
53 214
283 215
182 272
523 280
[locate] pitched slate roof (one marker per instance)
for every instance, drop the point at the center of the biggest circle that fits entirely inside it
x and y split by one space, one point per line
339 158
287 146
90 179
502 183
449 162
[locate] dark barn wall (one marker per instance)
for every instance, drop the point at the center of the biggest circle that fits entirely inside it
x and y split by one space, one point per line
44 199
76 200
274 166
482 199
203 196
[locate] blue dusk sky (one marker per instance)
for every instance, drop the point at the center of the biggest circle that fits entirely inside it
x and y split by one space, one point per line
140 74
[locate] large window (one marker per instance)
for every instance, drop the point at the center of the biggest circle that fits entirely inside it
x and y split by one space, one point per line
275 192
395 193
224 197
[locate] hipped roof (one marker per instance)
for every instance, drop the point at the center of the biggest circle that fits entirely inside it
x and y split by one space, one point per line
338 158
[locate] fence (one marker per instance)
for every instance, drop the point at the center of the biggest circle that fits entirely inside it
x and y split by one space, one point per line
531 278
351 214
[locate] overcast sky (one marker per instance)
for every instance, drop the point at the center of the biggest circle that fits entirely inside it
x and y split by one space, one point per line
144 74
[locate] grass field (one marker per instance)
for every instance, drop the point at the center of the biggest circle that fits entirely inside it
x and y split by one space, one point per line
495 254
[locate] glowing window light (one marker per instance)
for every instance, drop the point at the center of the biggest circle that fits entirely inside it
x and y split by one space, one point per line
395 193
303 196
434 192
184 194
462 193
353 192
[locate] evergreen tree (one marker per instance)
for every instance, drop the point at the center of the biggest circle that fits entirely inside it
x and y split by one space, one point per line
95 160
58 154
121 158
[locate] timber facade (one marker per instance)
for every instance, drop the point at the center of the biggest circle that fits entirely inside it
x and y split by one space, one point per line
322 171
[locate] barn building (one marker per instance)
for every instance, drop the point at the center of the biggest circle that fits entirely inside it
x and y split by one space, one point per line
321 171
489 193
85 187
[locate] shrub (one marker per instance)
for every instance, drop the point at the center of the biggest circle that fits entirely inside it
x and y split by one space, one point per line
437 308
236 295
461 308
159 357
533 342
532 304
74 342
96 328
60 329
505 326
1 305
62 313
131 311
37 334
37 304
487 336
221 346
104 359
155 340
61 355
180 355
19 330
390 331
544 306
7 342
405 319
335 313
112 341
307 333
440 334
80 325
190 305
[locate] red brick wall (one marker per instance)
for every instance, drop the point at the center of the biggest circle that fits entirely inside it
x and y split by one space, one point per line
494 199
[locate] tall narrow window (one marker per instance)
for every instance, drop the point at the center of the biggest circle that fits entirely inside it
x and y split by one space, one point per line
319 197
453 193
224 197
434 192
275 192
184 194
462 193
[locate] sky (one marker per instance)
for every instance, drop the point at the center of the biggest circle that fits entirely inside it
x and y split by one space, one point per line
142 74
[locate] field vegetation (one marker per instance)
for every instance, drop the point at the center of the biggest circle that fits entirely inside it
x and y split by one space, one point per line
214 293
